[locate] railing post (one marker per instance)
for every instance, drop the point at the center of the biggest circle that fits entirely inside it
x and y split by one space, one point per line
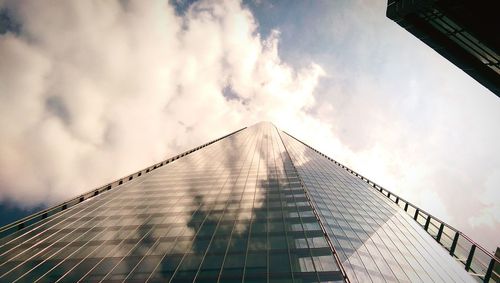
416 214
487 276
470 257
440 232
427 222
454 244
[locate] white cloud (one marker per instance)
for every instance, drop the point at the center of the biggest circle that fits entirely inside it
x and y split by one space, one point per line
91 91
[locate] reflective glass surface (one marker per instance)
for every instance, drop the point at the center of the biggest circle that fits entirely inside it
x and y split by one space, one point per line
375 239
230 212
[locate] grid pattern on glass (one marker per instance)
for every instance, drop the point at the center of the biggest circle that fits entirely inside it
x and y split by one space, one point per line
32 220
376 240
231 211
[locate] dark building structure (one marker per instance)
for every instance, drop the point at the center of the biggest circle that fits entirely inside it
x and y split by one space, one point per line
256 205
465 32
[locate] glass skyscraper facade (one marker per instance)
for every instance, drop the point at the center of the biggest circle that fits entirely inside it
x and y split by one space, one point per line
255 206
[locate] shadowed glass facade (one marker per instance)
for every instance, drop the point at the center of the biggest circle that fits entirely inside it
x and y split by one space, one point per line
233 211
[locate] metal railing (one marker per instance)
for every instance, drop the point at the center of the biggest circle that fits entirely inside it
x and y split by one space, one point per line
478 262
36 217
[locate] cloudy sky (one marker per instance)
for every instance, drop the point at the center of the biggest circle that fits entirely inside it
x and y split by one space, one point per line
93 90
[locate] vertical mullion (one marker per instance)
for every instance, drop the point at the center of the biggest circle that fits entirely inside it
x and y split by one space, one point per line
221 176
235 222
267 191
156 243
282 202
253 207
218 174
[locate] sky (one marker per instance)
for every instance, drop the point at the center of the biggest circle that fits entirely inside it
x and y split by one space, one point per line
91 91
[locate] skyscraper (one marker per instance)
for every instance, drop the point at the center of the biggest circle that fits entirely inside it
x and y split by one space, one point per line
256 206
464 32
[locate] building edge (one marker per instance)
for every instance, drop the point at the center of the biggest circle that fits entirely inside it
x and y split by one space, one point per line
316 214
34 218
